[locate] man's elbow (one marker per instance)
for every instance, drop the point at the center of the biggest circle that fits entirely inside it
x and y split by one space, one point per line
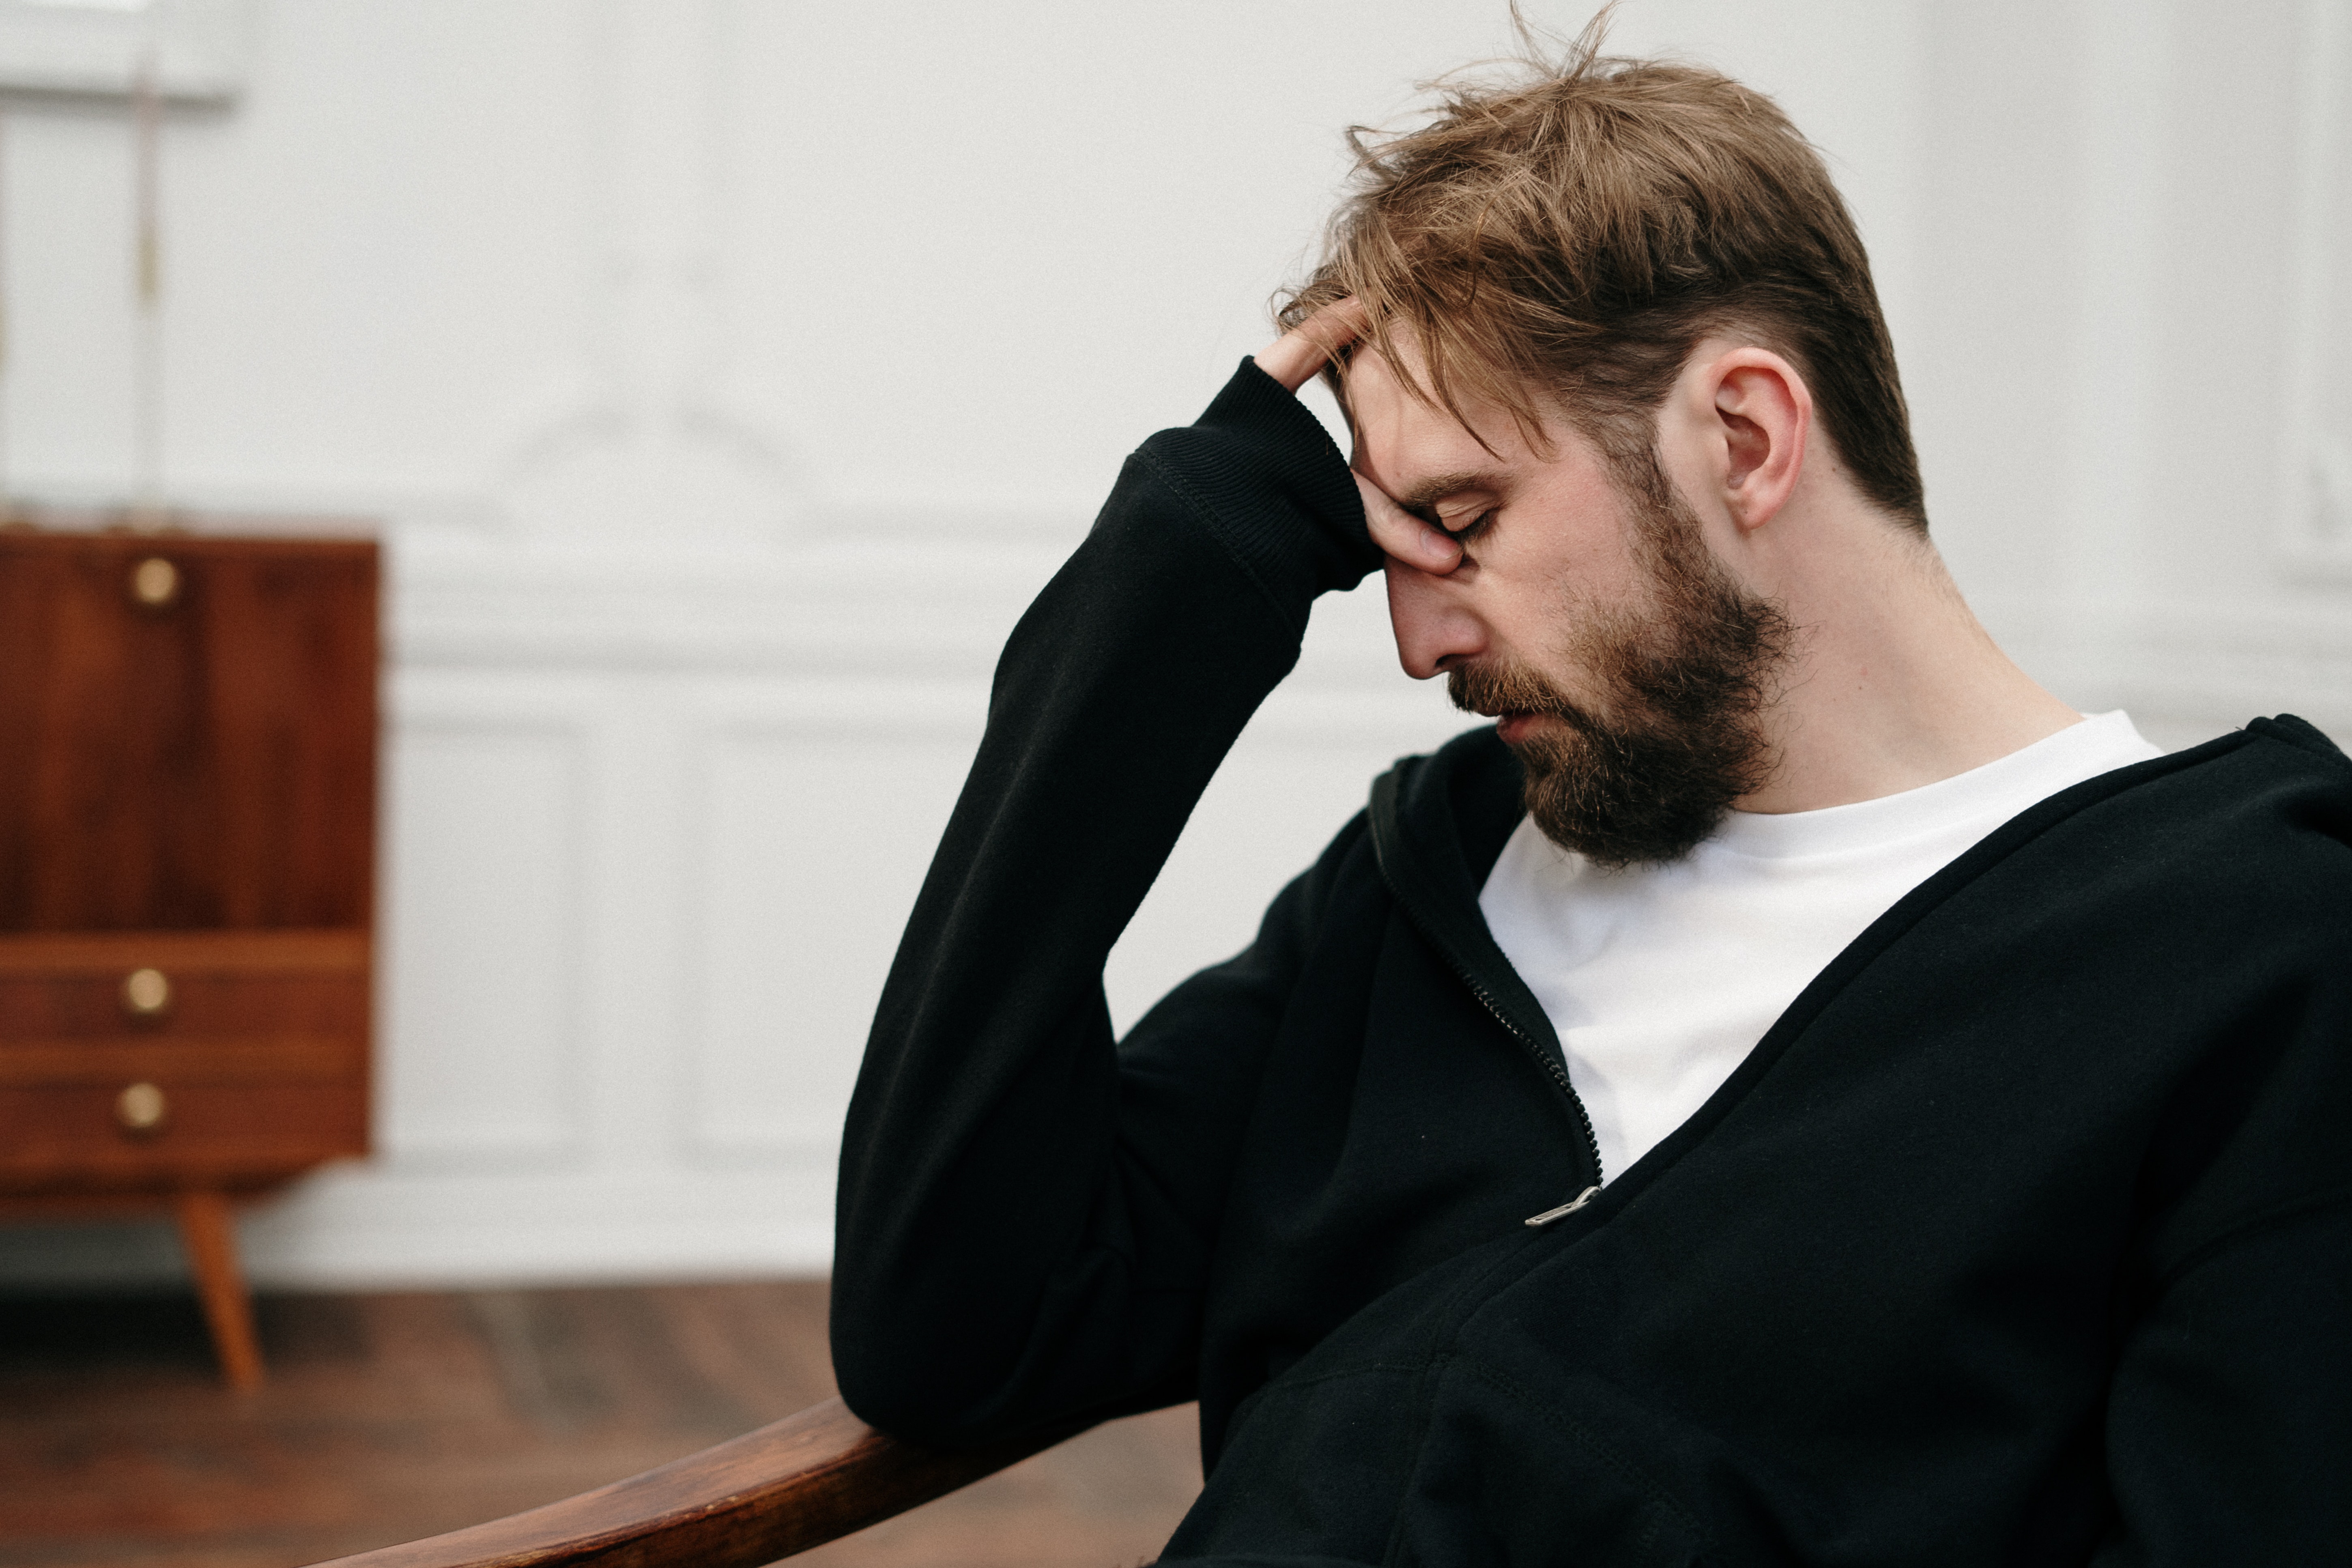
910 1379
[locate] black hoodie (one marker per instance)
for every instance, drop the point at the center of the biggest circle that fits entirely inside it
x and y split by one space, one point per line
2024 1236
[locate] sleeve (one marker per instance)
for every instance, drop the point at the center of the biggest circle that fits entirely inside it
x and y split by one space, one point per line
2230 1421
1023 1227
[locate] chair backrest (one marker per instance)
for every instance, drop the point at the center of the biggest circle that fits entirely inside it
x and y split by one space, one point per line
795 1484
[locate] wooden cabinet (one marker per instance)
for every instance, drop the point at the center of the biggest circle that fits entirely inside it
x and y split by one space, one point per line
187 848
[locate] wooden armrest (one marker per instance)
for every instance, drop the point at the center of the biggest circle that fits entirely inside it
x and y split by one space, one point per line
811 1477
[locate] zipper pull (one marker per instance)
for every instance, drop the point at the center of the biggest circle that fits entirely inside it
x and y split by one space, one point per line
1537 1222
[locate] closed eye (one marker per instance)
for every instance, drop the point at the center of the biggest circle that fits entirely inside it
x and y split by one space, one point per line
1471 529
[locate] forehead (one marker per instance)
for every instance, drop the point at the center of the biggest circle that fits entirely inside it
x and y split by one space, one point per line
1403 441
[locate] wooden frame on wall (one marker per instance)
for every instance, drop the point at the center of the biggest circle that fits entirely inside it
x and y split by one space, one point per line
202 48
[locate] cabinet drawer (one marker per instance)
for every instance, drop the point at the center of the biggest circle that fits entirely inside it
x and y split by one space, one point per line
290 1058
172 1128
173 985
232 1054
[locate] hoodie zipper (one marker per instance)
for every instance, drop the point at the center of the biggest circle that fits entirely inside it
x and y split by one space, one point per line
1557 1073
1537 1221
1553 1067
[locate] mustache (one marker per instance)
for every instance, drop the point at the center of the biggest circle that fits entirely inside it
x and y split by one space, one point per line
1720 663
1497 687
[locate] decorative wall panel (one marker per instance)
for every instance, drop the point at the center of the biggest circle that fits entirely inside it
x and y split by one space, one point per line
482 941
812 844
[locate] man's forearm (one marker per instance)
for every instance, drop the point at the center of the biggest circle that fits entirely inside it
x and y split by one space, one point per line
990 1268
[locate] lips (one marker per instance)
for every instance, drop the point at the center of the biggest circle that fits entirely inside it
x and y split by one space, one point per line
1516 726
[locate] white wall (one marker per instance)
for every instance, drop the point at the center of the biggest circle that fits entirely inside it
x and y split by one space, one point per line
727 373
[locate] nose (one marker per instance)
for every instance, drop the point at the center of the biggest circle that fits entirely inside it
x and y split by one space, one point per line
1435 629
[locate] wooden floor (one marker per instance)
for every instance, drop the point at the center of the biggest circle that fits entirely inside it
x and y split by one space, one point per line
390 1416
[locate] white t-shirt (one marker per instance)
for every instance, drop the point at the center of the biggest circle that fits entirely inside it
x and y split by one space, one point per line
1660 979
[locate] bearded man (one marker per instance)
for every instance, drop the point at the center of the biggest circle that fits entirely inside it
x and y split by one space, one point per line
1791 1090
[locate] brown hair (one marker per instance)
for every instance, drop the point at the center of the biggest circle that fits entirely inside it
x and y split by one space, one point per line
1564 236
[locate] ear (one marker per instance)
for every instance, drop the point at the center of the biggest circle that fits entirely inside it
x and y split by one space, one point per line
1763 418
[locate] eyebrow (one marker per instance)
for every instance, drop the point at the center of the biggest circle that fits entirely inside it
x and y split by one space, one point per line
1438 487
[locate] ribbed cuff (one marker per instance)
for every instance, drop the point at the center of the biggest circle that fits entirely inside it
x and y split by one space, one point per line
1268 480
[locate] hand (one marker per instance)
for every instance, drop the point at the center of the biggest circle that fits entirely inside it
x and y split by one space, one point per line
1404 537
1297 355
1300 353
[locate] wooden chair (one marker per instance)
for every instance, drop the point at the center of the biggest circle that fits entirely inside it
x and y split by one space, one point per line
800 1482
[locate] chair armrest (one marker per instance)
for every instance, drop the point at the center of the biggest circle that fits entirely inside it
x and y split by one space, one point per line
811 1477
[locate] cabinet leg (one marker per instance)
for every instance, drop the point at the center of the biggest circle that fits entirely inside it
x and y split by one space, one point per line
211 1240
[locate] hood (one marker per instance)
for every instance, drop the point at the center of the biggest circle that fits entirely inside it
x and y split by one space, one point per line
1439 823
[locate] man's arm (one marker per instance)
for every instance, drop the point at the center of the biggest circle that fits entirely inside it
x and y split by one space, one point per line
2228 1420
2230 1427
1023 1226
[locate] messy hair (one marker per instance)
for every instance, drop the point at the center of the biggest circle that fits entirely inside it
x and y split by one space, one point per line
1559 237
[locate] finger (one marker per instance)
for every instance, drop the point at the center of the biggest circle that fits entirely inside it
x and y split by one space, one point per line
1404 536
1294 359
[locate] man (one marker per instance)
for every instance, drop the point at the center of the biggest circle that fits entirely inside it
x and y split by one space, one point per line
1791 1090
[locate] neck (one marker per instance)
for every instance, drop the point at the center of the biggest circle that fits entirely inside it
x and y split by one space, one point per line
1891 682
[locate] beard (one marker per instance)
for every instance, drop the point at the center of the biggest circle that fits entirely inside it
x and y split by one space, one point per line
1676 737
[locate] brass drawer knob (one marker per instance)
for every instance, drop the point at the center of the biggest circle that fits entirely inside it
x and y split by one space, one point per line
141 1108
155 583
146 992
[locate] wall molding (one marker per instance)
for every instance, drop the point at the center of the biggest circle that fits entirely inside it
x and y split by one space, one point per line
360 1228
203 48
2186 663
531 1115
795 902
2118 259
2316 482
853 625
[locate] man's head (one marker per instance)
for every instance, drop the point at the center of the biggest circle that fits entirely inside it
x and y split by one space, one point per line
1561 242
1589 296
1586 610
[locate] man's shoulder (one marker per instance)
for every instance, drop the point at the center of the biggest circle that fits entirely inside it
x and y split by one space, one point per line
2307 748
2259 820
2278 780
2266 807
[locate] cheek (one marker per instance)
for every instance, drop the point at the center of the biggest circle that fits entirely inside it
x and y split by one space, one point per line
1554 599
1575 535
1570 626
